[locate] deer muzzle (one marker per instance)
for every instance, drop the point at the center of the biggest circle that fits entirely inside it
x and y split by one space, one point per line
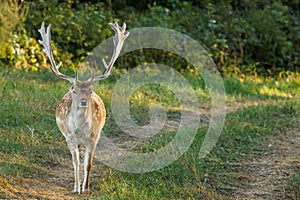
83 102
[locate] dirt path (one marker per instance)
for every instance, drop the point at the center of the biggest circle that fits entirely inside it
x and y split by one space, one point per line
266 177
52 183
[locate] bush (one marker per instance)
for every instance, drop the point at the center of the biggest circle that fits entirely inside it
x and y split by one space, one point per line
242 37
247 38
11 14
25 53
252 37
16 47
76 30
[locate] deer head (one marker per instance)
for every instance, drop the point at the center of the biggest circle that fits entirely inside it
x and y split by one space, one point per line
81 92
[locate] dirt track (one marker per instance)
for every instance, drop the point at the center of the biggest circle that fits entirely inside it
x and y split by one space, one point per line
266 176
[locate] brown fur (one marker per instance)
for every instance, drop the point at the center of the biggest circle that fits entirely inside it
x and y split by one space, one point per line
81 126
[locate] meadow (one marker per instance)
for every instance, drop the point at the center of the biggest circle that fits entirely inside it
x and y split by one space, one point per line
256 156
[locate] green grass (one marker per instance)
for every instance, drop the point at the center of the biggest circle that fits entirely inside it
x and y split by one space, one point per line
30 141
295 186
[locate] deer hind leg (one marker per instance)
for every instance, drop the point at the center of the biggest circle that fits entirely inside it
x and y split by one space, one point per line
75 159
88 159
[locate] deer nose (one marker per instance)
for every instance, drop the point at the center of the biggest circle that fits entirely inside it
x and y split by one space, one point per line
83 102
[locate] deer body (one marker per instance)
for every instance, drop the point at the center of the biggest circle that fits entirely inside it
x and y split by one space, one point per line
80 115
81 125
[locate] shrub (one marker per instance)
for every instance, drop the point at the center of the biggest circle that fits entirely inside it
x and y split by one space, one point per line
11 14
76 29
242 37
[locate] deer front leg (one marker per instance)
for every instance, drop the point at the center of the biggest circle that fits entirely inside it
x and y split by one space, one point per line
88 159
75 159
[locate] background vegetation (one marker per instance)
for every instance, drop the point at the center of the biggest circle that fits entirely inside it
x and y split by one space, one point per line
243 37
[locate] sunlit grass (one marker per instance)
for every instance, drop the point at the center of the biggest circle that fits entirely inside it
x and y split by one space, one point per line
294 188
30 141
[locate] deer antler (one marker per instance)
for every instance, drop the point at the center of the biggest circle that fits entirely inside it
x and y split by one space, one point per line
46 42
118 40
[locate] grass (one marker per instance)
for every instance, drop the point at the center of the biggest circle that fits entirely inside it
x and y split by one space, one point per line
295 186
30 142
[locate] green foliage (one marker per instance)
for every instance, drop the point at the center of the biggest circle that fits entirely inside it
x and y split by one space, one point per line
245 37
75 30
11 13
251 38
25 53
17 48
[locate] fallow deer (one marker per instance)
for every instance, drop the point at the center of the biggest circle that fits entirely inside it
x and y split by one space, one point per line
80 115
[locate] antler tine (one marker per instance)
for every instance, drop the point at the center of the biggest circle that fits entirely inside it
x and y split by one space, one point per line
46 42
118 40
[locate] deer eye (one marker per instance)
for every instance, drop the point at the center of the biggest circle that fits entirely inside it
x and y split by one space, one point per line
71 89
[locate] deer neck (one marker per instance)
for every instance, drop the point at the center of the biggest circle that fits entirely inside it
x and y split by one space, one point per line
82 116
